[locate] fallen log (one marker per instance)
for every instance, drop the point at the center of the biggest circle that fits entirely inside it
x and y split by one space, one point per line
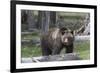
26 60
62 57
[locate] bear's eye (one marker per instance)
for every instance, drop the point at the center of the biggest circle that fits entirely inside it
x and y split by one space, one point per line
72 32
63 33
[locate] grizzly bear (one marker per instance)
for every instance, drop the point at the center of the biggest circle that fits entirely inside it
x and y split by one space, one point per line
55 40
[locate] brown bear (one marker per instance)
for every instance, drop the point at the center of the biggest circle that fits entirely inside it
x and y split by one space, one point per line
55 40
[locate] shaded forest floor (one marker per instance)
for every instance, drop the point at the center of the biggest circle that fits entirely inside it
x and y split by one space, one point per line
82 48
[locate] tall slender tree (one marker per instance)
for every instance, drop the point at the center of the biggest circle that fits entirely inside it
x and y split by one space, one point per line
53 18
30 20
45 21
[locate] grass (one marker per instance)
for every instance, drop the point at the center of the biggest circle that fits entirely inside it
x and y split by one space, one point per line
30 36
30 51
82 48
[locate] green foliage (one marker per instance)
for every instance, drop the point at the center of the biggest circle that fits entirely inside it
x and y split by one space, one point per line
30 51
82 48
34 35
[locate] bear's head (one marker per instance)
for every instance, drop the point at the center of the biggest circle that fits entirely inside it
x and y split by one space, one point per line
67 36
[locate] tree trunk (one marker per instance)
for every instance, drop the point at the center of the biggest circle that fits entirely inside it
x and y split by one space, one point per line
39 22
52 18
45 20
24 25
30 20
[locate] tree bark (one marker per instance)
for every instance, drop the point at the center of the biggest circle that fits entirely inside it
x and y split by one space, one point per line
52 18
30 20
45 20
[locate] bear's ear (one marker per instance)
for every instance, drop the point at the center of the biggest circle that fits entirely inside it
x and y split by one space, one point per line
62 30
72 32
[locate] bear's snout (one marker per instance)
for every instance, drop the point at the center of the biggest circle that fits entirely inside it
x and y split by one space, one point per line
66 40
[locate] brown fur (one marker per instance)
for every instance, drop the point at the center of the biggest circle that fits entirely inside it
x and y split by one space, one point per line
53 42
